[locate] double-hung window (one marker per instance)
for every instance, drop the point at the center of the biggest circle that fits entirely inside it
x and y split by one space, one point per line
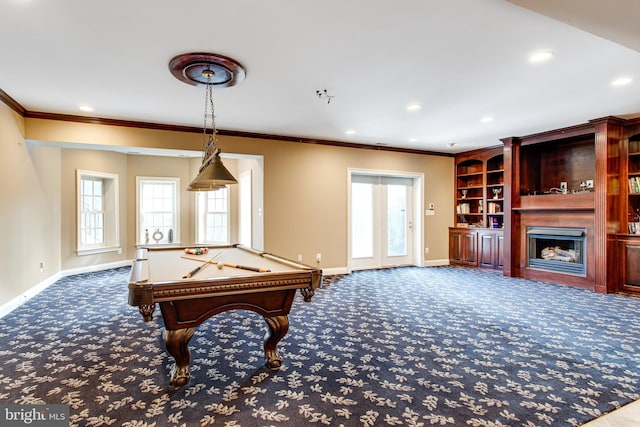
98 215
212 225
158 216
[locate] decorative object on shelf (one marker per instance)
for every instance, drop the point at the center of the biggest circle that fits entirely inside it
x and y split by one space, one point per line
464 193
464 208
146 236
209 70
496 192
170 236
157 235
563 187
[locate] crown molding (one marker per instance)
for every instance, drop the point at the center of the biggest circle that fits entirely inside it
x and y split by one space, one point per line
13 104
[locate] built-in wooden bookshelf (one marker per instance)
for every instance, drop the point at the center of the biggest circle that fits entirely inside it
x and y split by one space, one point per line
480 189
495 191
633 187
477 238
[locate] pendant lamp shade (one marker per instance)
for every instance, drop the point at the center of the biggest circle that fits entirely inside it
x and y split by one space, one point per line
213 175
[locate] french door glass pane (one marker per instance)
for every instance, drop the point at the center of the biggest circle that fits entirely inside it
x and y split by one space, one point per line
362 222
396 220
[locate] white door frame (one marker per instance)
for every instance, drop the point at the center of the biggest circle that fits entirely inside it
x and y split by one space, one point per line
418 208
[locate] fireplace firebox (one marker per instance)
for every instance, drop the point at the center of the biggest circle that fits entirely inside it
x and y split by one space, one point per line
557 249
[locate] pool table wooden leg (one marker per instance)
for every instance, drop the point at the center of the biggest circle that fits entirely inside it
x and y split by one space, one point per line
278 327
177 345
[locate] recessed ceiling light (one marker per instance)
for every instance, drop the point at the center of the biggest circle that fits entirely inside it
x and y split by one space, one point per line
486 119
540 56
451 144
350 132
621 81
414 107
413 139
86 108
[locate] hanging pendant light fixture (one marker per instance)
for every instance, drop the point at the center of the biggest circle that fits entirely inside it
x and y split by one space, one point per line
208 70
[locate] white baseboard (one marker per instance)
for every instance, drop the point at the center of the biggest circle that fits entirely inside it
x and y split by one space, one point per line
16 302
27 295
435 262
345 270
334 270
92 268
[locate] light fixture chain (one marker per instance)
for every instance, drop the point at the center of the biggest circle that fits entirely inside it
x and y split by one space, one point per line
210 146
213 114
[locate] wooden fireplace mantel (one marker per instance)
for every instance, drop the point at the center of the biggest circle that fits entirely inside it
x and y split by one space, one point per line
535 165
557 202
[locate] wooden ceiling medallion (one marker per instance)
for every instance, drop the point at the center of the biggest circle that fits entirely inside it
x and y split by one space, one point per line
200 69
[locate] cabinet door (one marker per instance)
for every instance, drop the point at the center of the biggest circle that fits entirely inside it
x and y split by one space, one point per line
631 262
469 248
487 250
455 246
500 250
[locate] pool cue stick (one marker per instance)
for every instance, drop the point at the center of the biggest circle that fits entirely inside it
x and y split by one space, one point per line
244 267
200 259
200 267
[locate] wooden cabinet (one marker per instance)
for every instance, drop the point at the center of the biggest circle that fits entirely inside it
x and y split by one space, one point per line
462 246
490 252
477 240
629 257
476 247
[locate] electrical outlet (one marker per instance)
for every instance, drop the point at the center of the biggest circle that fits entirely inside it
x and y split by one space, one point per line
426 250
41 266
299 257
318 257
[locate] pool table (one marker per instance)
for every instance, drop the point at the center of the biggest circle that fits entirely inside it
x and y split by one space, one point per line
191 288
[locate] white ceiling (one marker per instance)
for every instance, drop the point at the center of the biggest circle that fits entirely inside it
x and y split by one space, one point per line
461 60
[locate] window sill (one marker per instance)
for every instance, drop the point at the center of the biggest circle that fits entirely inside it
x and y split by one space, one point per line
158 245
100 250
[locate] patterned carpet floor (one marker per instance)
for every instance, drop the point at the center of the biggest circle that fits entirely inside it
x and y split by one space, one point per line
445 346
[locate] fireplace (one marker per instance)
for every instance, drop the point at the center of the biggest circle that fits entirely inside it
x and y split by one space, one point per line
557 249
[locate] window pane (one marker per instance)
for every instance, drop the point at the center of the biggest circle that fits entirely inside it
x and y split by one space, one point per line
362 224
396 220
91 215
157 202
87 187
213 218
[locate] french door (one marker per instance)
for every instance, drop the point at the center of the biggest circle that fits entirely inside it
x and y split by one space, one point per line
381 221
